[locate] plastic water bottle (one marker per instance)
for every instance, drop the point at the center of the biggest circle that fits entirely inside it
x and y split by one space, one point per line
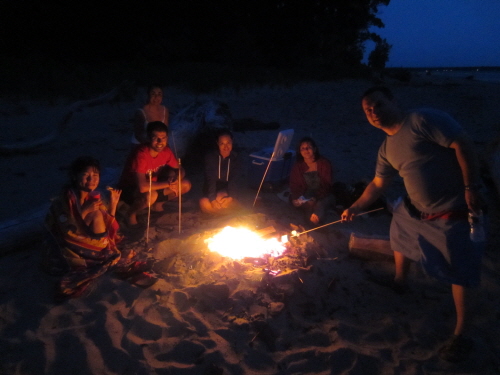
477 233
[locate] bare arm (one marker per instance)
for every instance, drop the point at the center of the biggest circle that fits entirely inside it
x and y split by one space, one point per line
467 159
143 183
372 192
114 199
167 116
139 130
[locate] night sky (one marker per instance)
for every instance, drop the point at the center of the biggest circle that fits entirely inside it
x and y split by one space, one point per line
423 33
442 33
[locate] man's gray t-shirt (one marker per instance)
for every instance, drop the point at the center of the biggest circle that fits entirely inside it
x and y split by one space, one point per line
420 152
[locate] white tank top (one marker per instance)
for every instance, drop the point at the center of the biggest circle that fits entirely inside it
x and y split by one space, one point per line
146 122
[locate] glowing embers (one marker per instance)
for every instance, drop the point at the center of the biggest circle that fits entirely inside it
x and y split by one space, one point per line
239 243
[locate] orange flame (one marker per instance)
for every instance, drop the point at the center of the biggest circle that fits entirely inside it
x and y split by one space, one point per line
239 243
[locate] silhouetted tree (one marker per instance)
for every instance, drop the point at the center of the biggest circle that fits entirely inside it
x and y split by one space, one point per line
379 56
270 32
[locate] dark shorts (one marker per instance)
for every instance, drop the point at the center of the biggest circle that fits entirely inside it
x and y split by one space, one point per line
441 245
128 194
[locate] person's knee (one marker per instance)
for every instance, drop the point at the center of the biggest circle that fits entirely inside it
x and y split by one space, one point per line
93 216
145 199
205 205
185 186
150 199
95 221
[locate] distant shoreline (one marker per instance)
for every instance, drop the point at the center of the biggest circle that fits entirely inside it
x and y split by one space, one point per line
470 74
484 74
448 68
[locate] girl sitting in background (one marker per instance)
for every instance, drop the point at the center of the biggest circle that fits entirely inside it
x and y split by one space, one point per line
311 181
152 111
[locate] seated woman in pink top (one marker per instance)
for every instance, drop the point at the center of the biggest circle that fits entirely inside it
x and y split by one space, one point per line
152 111
311 181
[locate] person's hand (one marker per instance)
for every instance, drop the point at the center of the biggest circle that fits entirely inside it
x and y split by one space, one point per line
220 195
225 201
473 199
90 205
349 214
223 197
114 196
216 205
174 186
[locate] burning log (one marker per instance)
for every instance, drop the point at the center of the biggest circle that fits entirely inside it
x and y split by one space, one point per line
265 231
240 243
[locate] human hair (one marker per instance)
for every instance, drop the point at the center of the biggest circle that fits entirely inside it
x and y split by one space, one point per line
81 164
309 140
382 89
222 132
156 126
151 87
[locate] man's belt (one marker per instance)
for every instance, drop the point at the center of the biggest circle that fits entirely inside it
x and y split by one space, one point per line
449 215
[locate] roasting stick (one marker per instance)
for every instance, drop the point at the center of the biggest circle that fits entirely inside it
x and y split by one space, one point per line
150 174
180 195
173 141
338 221
263 178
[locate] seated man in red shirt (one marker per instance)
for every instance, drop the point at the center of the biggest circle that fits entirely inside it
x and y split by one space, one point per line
151 163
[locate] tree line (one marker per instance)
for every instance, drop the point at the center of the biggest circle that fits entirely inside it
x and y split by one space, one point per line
255 32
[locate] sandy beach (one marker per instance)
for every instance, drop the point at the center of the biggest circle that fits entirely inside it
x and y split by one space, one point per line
207 314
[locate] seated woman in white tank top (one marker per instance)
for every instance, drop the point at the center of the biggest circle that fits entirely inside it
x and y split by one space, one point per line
153 110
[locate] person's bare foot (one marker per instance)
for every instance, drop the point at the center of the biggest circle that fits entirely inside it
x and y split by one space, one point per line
399 286
132 219
157 207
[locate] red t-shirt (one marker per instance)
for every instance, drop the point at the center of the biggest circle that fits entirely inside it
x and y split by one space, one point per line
141 161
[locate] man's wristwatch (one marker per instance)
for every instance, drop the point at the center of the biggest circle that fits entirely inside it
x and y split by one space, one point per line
472 187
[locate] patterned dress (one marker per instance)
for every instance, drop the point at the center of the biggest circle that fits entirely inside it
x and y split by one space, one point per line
73 251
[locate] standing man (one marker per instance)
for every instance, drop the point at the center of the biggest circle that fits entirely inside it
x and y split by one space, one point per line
436 160
151 167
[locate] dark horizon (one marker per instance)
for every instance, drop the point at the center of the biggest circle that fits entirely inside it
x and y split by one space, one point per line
482 68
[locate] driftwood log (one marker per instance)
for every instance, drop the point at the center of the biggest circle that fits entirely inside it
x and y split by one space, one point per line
24 231
370 247
27 229
63 124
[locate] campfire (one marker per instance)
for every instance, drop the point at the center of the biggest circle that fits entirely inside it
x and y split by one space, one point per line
244 253
240 243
